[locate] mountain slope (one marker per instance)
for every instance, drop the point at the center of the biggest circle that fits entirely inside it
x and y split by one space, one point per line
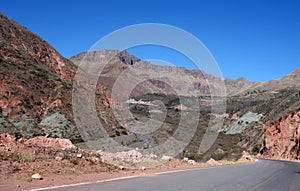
35 79
36 86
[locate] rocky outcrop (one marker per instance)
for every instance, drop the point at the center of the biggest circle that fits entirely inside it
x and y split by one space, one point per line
56 125
239 125
282 138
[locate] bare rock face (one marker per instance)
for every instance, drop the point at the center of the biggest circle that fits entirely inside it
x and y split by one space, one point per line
282 138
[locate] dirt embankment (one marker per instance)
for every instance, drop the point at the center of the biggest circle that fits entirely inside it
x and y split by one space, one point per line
43 161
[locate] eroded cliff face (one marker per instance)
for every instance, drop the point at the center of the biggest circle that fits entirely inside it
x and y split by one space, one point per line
282 138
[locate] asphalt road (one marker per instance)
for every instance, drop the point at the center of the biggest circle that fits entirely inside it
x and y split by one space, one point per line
264 175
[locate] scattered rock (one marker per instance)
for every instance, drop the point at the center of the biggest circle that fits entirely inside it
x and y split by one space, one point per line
37 176
143 168
166 157
185 159
79 155
192 162
213 162
153 156
124 157
58 158
95 159
247 156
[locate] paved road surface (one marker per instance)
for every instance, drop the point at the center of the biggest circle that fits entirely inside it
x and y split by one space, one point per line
264 175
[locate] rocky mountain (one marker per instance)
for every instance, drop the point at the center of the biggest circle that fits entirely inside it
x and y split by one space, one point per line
161 79
188 82
36 86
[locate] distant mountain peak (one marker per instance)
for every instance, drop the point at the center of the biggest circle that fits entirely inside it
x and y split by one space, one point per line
100 56
189 81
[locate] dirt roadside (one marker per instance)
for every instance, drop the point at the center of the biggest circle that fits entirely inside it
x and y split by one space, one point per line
58 162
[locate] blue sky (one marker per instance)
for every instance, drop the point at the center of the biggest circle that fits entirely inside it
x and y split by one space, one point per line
256 39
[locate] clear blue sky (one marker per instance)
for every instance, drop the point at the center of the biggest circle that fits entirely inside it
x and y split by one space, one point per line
256 39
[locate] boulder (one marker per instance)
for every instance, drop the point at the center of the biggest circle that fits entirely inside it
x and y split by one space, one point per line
192 162
37 176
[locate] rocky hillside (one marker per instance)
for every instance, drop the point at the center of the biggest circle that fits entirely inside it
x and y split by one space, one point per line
249 105
282 138
36 86
35 80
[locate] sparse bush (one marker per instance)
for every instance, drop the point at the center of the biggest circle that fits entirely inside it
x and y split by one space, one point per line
74 161
15 168
38 102
17 157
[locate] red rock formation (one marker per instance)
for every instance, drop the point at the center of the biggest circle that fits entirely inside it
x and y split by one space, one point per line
282 138
44 141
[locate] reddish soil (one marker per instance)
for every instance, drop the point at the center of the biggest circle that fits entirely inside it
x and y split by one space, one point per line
59 162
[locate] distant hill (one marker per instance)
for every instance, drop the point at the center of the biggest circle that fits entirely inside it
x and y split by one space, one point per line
196 79
188 82
290 81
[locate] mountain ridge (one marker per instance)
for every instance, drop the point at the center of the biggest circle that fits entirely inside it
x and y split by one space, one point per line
198 78
233 87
